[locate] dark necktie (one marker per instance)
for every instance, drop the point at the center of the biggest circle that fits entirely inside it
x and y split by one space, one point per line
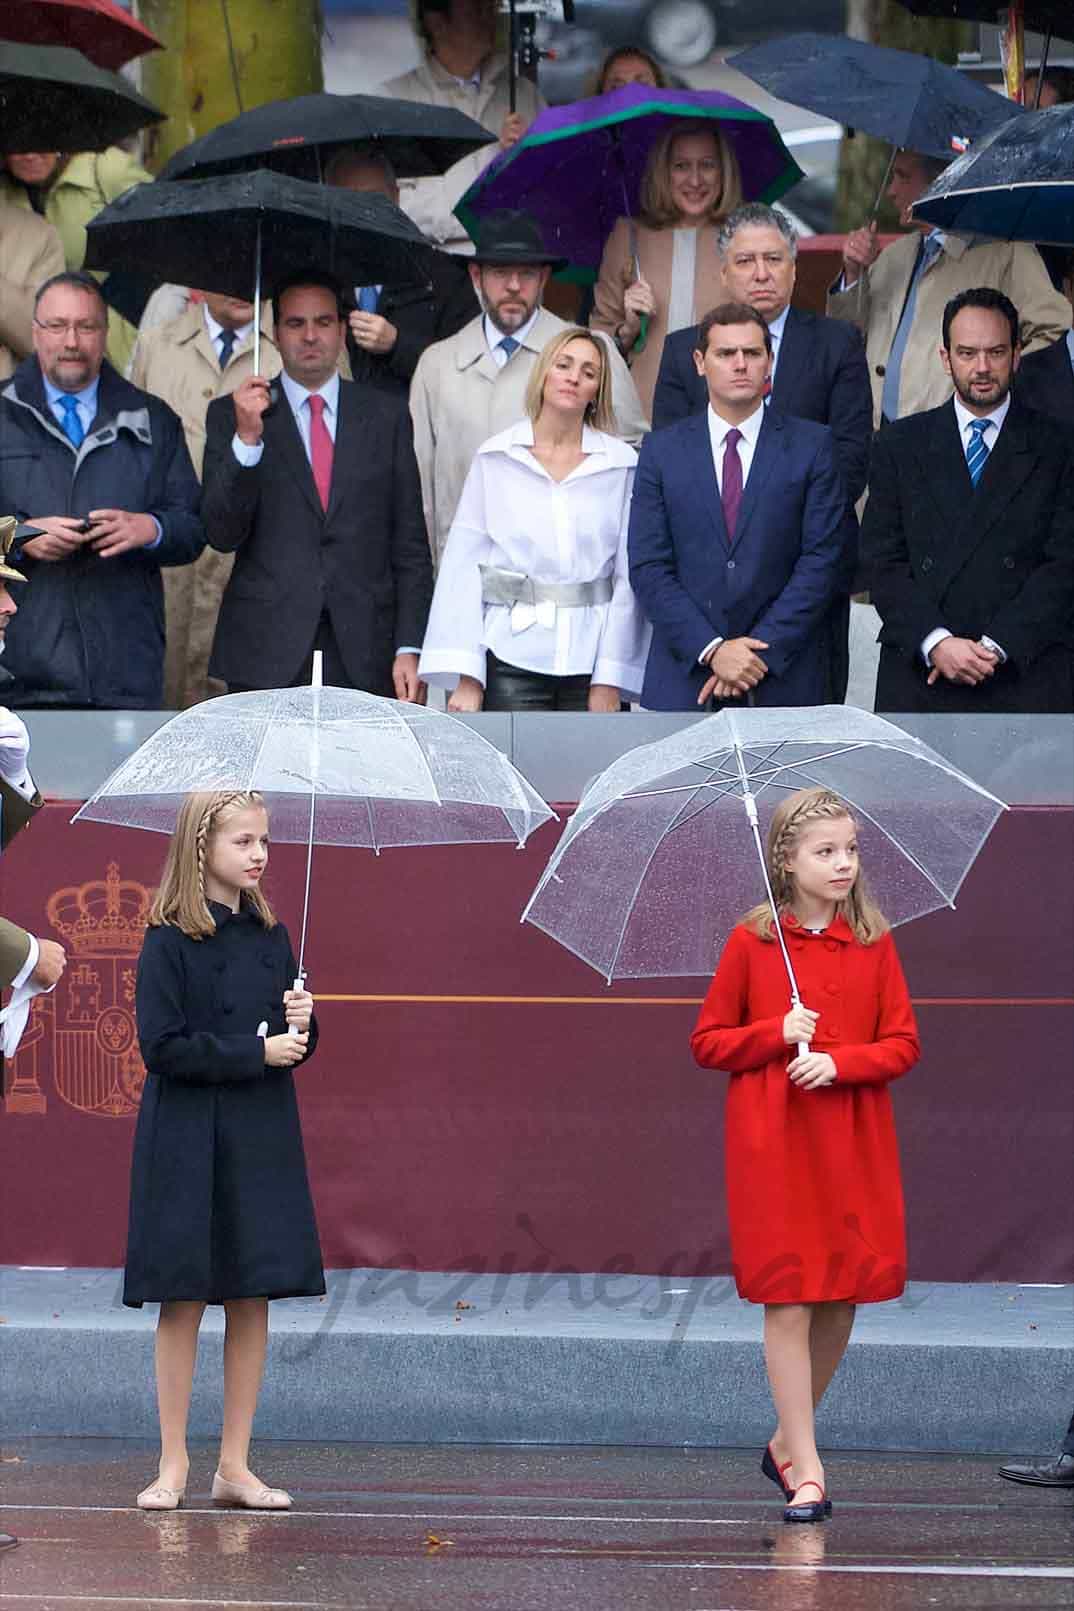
228 339
978 450
322 450
731 488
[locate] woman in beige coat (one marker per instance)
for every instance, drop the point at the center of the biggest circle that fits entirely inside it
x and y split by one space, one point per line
665 267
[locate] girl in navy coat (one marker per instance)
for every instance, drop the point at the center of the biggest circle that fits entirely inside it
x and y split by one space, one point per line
220 1203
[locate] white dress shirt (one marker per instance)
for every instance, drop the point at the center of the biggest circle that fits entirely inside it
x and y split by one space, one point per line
512 514
216 330
775 330
493 336
718 429
249 453
966 421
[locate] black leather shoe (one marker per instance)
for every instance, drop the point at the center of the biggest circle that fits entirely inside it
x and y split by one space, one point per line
7 1540
1057 1473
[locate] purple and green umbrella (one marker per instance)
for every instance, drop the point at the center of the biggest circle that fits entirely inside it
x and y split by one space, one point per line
580 167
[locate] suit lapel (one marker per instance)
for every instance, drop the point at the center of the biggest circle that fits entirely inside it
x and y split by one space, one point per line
702 470
793 353
947 477
1007 469
347 437
293 449
770 445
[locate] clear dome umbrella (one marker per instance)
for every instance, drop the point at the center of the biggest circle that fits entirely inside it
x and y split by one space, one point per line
664 853
336 767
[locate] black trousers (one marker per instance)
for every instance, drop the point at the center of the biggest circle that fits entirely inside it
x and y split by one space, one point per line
510 688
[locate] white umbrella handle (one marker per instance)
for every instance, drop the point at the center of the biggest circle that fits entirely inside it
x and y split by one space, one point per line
299 984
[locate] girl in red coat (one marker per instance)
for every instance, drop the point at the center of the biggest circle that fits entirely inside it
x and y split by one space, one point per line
813 1189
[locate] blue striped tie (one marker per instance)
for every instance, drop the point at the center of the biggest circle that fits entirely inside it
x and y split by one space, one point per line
977 452
509 345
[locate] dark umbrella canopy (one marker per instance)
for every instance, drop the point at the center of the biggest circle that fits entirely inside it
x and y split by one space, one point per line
206 232
51 96
1040 15
1017 185
580 167
105 33
910 100
298 136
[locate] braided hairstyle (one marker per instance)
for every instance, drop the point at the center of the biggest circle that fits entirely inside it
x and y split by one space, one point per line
181 899
791 816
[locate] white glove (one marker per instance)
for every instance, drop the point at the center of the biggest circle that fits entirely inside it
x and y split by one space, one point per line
14 747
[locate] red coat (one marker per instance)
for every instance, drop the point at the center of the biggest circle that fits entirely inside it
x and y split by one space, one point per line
814 1194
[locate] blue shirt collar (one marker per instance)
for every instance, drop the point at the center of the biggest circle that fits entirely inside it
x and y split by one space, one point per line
87 397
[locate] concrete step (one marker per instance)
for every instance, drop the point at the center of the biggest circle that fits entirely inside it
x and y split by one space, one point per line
402 1356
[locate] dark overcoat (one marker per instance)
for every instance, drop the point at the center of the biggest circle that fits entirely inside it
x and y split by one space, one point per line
220 1203
995 559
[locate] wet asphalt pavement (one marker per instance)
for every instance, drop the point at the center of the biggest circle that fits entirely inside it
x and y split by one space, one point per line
409 1528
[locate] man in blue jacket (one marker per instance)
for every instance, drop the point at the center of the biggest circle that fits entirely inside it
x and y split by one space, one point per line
101 469
739 535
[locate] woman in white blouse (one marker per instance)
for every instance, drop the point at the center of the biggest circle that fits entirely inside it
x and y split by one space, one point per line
533 609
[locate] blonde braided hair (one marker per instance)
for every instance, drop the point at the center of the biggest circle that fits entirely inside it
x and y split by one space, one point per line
181 899
789 819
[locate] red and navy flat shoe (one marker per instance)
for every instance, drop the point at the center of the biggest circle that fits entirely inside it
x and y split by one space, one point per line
816 1511
774 1472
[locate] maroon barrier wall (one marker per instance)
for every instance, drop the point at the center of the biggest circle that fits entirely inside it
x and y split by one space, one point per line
480 1100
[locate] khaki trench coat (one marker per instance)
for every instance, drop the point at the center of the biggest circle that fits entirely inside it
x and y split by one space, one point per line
655 248
429 202
88 182
459 398
30 254
178 362
964 263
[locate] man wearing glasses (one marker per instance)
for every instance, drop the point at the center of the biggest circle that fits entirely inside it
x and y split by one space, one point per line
101 470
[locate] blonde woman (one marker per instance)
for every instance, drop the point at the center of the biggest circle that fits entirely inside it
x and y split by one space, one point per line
665 268
814 1195
533 609
220 1206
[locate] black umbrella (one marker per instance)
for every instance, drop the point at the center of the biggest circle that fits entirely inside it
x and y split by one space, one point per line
298 136
234 233
916 103
1017 185
51 96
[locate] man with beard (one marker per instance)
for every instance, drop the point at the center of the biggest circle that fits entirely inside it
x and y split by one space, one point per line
968 536
472 385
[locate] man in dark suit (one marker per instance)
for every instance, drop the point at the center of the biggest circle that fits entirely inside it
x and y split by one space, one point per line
393 324
819 370
312 482
969 536
739 529
1045 378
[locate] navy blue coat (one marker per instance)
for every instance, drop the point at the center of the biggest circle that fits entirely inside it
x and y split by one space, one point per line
220 1202
90 631
822 375
776 581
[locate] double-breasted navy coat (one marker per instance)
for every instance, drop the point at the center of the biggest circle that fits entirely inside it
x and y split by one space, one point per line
220 1201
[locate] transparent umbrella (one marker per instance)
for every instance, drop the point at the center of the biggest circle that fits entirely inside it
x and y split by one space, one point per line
664 853
336 767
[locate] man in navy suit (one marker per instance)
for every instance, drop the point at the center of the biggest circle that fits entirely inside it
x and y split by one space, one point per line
739 534
1045 378
819 372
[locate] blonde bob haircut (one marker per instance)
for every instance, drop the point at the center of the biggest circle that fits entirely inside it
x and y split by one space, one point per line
181 899
791 816
599 413
658 209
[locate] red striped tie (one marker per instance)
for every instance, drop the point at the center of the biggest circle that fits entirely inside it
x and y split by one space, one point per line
322 450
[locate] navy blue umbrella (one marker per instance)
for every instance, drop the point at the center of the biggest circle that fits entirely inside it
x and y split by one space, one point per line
914 102
1017 185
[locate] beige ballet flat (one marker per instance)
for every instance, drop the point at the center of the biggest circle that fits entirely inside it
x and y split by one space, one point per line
249 1495
157 1497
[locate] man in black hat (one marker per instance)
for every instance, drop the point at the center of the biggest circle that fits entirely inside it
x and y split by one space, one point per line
472 385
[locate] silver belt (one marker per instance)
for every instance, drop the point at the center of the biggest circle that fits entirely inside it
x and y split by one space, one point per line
500 586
